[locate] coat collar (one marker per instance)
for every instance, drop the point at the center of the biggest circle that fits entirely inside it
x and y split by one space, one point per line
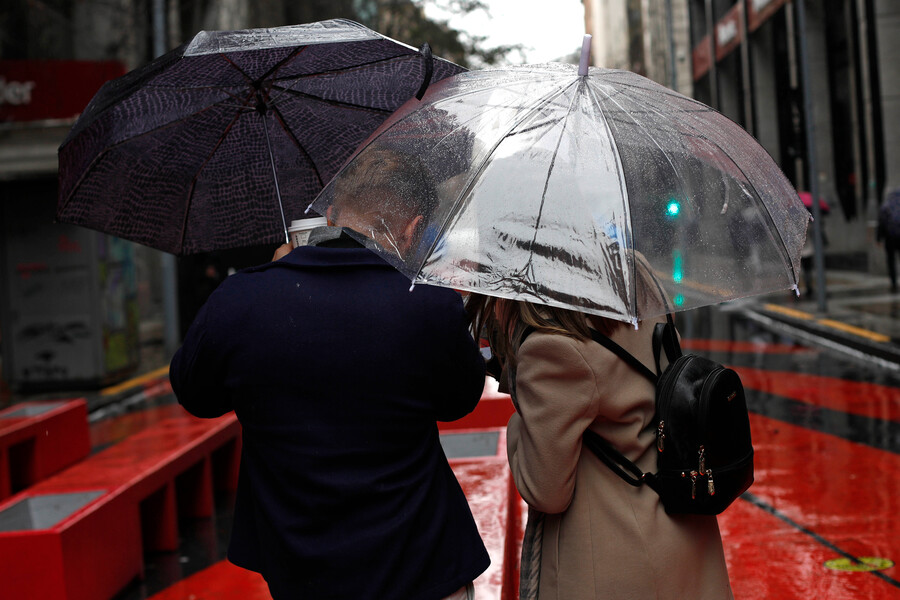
333 248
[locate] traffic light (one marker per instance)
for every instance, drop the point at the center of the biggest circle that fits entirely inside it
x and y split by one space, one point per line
677 266
677 275
673 208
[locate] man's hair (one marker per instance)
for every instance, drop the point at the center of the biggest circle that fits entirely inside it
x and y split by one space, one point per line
388 183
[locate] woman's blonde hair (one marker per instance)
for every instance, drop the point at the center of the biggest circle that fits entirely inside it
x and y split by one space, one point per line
503 322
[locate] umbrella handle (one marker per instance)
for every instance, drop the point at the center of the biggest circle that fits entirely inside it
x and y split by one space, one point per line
425 51
585 55
287 239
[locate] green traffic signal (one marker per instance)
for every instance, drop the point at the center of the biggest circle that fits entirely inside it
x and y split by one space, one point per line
673 208
677 266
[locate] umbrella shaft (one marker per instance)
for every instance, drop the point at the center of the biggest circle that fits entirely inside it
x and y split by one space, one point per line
275 178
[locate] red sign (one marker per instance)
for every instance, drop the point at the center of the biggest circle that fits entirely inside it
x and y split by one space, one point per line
728 31
759 11
702 58
33 90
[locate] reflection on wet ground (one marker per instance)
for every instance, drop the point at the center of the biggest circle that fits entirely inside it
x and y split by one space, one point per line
826 430
822 510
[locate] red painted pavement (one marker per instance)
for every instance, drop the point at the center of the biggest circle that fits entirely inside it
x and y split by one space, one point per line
847 493
702 345
854 397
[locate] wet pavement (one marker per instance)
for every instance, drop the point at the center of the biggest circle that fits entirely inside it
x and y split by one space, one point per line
824 393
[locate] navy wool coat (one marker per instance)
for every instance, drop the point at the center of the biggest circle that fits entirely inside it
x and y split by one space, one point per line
337 374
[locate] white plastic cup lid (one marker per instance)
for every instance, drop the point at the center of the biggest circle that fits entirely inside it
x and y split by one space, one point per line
301 224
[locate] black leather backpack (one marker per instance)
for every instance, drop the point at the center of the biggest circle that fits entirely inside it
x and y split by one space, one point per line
705 455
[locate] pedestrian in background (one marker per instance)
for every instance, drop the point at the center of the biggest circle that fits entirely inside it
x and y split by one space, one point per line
338 373
888 232
589 534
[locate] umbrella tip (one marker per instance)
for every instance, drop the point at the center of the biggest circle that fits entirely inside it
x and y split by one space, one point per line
585 55
427 57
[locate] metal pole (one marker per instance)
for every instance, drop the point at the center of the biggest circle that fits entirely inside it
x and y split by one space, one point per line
673 62
812 165
169 270
869 186
746 74
713 60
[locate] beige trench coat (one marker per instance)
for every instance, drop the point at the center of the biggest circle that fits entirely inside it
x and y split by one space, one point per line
602 538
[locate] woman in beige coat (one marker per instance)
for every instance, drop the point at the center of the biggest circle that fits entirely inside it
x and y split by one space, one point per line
590 535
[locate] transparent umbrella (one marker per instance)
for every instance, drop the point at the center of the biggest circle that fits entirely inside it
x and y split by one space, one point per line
551 184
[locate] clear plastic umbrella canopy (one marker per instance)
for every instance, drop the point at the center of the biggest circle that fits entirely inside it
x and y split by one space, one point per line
553 187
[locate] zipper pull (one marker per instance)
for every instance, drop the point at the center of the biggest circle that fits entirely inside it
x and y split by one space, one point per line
702 454
694 475
661 436
710 486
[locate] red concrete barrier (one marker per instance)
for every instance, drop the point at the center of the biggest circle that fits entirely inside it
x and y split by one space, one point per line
493 410
478 459
38 439
80 534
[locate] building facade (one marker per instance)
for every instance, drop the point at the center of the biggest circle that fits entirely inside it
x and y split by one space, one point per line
649 38
743 57
72 301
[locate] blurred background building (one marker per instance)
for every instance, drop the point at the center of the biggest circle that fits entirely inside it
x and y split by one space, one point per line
742 57
75 304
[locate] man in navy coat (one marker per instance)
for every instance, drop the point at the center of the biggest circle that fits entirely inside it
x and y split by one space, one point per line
338 373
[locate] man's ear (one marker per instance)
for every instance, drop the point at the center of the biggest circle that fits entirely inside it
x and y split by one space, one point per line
410 233
328 213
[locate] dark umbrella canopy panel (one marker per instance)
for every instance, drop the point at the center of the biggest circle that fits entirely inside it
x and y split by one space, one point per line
191 152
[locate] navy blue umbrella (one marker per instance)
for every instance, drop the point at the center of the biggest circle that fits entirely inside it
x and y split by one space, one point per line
223 141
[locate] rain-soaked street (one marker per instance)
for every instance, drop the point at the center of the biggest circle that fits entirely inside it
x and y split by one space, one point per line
826 431
819 521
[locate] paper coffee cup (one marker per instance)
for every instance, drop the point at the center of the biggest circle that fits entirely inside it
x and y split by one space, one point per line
299 229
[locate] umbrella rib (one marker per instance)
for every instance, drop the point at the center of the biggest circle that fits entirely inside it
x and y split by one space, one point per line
355 67
106 150
281 121
623 183
272 69
661 90
347 69
268 74
539 102
537 223
699 133
190 195
336 103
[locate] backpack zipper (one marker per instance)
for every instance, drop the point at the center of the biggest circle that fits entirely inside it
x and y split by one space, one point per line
702 411
710 483
663 392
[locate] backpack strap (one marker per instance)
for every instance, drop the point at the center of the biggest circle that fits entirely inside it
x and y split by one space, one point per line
622 353
665 337
612 458
617 462
619 351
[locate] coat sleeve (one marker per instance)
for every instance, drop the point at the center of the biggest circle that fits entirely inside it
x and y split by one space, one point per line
557 400
460 366
197 370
